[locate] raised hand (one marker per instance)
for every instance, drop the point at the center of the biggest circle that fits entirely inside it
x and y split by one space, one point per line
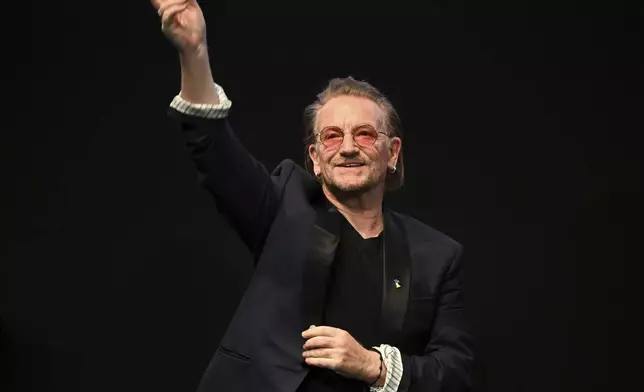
183 23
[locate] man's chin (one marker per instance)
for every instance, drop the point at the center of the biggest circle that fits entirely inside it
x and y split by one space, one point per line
349 186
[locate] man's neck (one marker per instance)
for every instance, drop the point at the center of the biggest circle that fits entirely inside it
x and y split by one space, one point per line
363 211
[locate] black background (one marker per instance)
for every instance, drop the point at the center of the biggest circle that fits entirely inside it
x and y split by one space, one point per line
521 141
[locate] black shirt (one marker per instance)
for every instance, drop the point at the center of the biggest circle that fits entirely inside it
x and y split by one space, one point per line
352 303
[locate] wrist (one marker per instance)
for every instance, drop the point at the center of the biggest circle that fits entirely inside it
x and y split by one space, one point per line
197 84
197 56
375 369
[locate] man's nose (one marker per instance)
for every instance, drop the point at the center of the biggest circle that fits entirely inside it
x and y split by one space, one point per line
349 146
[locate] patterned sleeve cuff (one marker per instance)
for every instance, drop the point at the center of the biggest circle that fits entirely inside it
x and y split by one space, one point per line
204 110
393 362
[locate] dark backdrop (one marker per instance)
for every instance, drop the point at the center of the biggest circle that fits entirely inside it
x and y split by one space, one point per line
520 142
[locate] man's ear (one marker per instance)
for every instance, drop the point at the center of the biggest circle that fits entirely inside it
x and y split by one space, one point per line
315 158
395 145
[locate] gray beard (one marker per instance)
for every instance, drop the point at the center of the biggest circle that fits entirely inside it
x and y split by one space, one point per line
352 190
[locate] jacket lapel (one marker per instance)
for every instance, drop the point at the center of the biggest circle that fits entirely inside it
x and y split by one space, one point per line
396 278
321 252
396 270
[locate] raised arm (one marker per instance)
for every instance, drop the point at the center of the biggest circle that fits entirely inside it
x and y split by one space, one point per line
244 191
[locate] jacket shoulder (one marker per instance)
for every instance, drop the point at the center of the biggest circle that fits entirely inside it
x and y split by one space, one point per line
420 231
284 168
290 174
283 172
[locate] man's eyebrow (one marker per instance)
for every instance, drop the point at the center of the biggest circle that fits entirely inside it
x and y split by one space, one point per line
360 124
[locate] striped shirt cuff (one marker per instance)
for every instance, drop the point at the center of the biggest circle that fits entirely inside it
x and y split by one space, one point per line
393 362
204 110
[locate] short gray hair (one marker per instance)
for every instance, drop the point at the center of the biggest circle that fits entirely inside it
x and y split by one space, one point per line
357 88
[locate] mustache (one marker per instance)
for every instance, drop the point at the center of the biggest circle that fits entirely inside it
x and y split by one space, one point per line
350 162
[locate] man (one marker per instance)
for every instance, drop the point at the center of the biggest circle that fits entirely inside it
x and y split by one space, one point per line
347 295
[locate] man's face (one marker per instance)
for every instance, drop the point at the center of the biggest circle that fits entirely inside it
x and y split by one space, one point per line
352 165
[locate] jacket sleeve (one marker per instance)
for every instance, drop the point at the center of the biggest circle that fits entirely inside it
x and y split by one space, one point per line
446 365
244 192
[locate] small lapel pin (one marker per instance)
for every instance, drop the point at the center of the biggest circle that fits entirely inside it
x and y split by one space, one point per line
397 283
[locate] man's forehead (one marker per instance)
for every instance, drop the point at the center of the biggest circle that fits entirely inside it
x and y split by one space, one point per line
349 111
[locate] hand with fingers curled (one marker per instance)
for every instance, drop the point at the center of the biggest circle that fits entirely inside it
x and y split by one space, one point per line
183 23
335 349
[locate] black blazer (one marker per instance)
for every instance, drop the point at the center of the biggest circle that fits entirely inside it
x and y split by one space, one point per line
284 220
